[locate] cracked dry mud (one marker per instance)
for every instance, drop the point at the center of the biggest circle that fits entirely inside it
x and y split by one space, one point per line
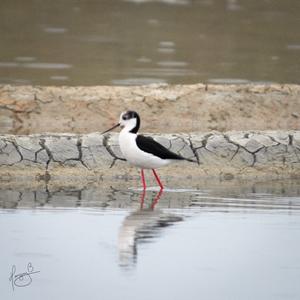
251 154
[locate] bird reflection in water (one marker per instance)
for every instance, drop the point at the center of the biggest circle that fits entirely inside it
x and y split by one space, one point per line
142 226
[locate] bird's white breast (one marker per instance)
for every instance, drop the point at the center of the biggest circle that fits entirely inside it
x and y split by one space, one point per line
135 156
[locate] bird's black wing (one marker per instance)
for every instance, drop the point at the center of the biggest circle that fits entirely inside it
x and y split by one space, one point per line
149 145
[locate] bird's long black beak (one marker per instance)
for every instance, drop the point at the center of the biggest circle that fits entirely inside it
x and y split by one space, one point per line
117 125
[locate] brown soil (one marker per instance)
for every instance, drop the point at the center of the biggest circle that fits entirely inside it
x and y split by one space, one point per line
163 108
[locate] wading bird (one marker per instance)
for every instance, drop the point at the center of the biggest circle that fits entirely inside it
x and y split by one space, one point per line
141 151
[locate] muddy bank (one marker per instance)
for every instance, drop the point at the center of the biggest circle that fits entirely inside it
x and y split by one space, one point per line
232 132
93 157
163 108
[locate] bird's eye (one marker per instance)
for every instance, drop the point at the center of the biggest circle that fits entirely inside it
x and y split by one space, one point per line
125 117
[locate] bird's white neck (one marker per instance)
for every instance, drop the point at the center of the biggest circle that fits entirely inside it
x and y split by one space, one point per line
130 125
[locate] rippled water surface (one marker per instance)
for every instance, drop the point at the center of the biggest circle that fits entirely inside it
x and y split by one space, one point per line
118 42
225 242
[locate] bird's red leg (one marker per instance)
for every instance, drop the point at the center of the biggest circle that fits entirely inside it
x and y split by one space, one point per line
143 179
157 179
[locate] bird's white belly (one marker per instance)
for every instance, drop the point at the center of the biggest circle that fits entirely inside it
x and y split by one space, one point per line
136 156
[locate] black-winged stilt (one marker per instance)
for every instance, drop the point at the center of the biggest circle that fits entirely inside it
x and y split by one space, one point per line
140 151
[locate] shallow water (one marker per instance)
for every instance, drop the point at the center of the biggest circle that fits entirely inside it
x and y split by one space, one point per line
226 242
118 42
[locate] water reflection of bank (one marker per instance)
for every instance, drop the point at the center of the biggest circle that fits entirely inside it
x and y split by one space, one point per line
224 195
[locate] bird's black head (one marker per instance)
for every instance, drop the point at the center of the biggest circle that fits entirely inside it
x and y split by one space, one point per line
131 120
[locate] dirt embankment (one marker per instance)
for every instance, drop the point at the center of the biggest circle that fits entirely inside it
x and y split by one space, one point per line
163 108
